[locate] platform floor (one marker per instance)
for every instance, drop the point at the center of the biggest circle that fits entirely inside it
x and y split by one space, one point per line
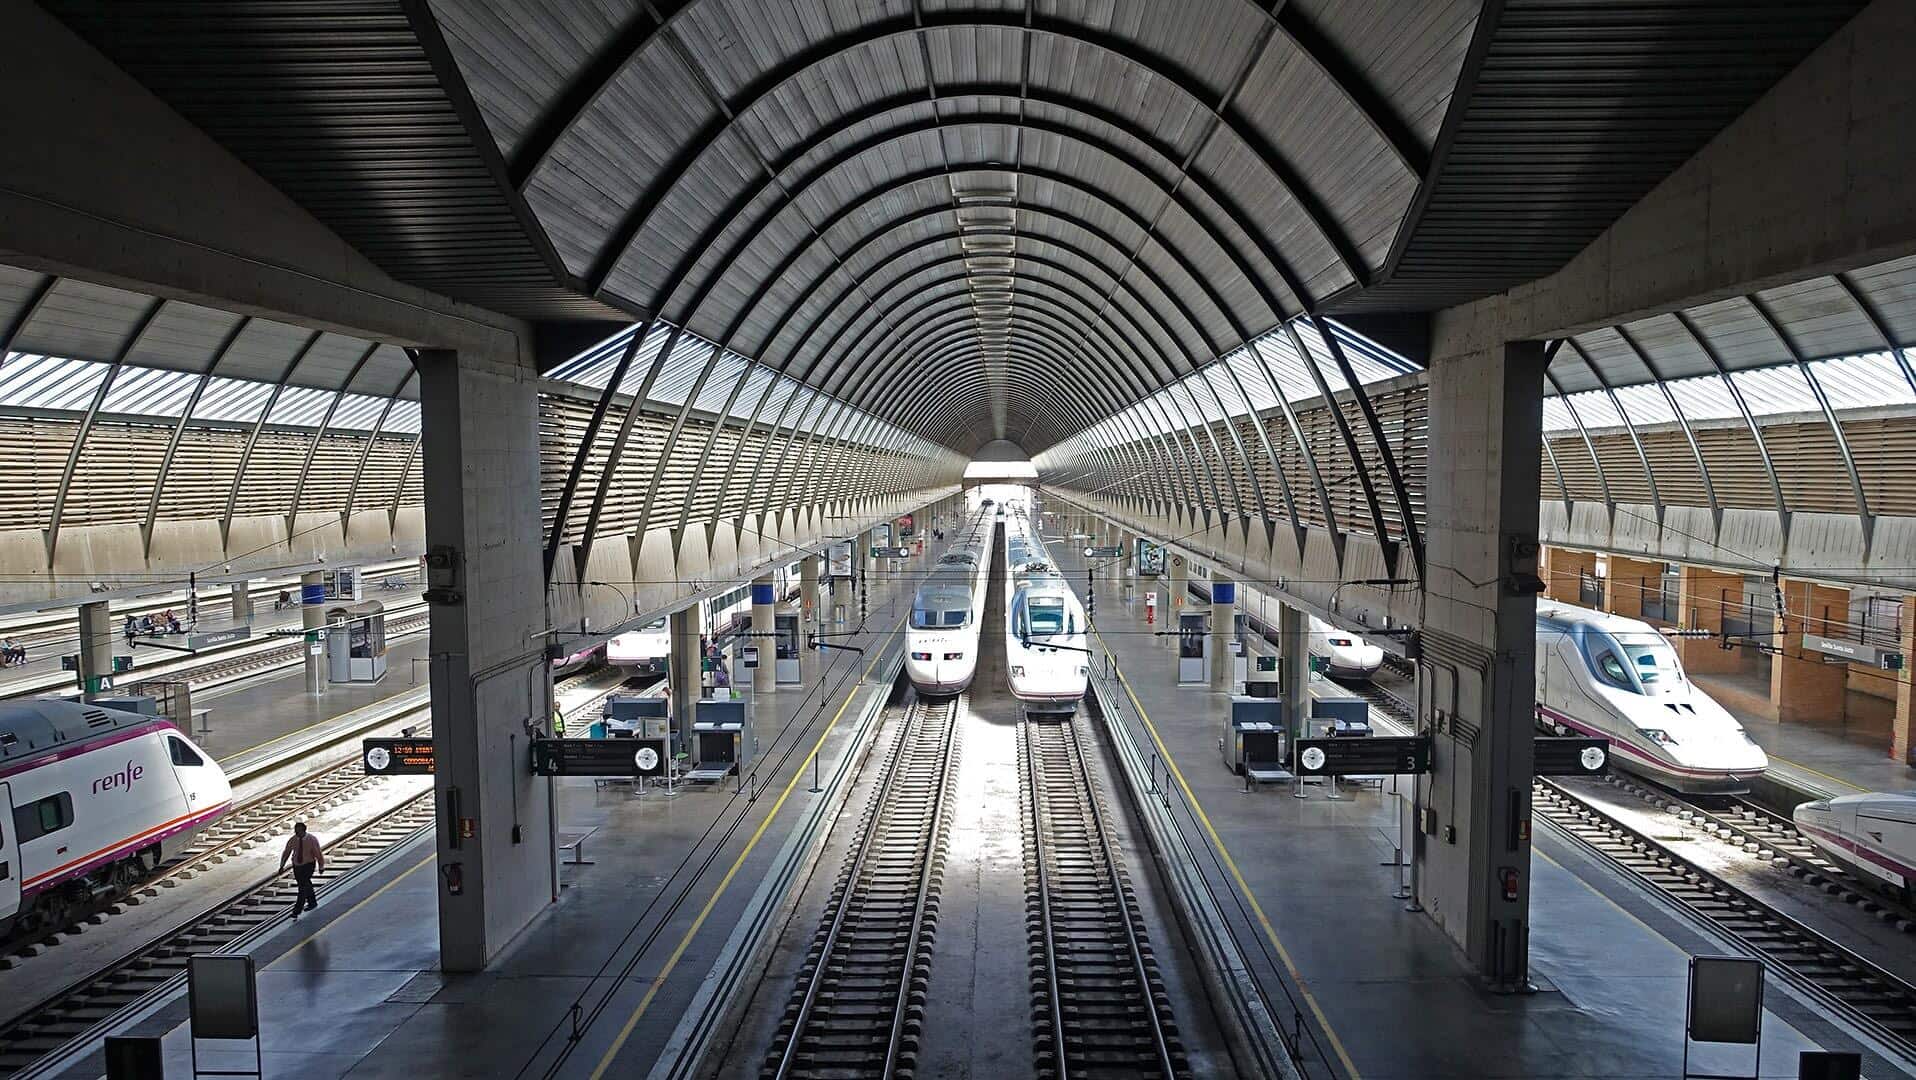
1826 760
1387 994
355 986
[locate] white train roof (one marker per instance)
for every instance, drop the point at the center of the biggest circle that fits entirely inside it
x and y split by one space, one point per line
1893 805
37 725
1572 615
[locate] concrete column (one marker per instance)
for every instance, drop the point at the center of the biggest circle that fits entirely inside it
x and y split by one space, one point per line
1223 632
97 635
1702 598
312 619
1479 641
1629 582
1567 569
1899 734
490 676
242 603
1294 667
764 621
1805 689
683 673
807 616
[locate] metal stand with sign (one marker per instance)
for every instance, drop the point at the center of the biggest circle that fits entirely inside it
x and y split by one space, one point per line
1726 1006
223 1002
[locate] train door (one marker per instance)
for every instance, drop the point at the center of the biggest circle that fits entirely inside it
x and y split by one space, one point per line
9 855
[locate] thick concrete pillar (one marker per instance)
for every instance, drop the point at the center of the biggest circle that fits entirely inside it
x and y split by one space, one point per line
1803 688
1477 686
490 678
1177 588
242 603
1223 632
1629 583
1899 735
764 621
97 635
807 617
684 671
1294 667
1703 596
312 619
1566 571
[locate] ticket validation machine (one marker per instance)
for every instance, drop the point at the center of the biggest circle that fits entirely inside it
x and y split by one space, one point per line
786 645
1194 659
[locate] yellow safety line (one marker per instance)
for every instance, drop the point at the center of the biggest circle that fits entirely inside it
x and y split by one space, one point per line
1236 875
1840 783
685 942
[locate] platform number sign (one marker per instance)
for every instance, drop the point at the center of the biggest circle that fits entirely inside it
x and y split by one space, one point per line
1571 756
1372 756
599 757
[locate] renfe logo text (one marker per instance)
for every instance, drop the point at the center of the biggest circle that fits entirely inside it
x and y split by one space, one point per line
122 779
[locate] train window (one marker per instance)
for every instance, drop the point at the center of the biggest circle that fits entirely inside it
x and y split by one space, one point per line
1613 672
181 753
38 818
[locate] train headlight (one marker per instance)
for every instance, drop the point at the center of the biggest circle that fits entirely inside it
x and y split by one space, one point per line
1658 736
1341 642
1017 671
1083 670
954 656
921 656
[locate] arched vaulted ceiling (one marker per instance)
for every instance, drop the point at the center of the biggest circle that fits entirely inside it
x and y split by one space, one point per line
1026 215
974 219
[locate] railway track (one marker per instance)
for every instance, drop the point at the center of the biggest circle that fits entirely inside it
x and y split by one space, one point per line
1099 1003
90 1005
858 1008
216 668
263 819
1873 999
1759 831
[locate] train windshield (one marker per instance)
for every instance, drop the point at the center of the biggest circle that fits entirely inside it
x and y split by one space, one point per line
1653 660
1636 663
1045 615
940 609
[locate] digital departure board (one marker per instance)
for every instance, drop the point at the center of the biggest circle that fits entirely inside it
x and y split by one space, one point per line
1572 755
397 757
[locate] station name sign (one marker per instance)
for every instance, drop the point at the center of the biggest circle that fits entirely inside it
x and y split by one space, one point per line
397 757
218 637
599 757
1854 651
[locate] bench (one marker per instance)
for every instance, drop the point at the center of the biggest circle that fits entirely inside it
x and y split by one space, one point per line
575 843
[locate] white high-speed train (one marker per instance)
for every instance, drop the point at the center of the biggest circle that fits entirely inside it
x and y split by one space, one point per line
941 640
1046 662
643 651
1346 655
1874 833
95 799
1608 676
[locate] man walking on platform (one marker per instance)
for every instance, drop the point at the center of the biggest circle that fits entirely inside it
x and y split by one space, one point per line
307 859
